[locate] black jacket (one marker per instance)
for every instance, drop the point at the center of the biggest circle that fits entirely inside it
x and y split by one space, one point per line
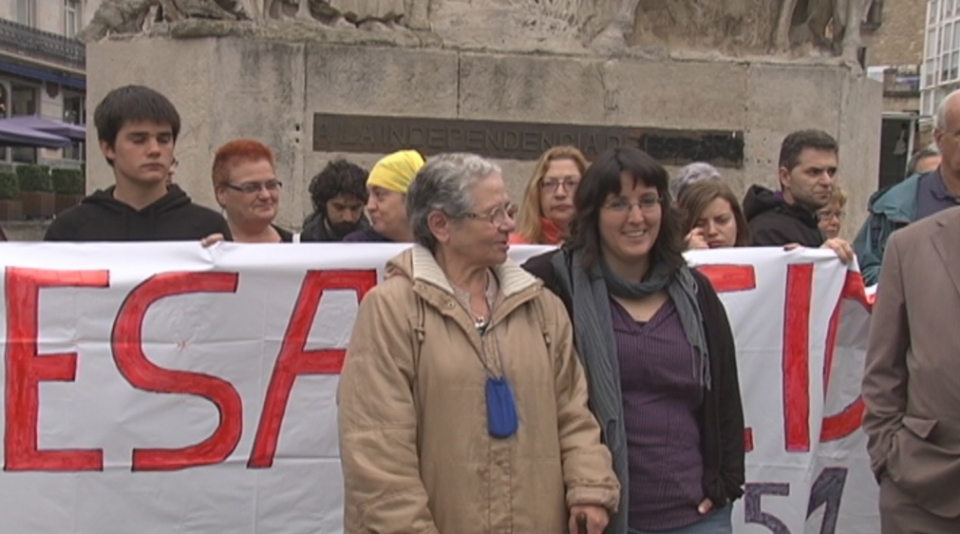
315 229
367 235
286 236
773 222
721 416
100 217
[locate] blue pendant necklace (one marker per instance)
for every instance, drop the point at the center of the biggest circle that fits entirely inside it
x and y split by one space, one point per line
502 420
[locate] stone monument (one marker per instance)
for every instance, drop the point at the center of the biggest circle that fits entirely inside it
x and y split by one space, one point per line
715 80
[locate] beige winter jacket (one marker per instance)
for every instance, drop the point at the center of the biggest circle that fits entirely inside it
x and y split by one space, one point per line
416 453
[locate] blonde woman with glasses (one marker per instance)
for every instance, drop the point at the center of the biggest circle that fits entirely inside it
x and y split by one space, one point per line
548 203
831 215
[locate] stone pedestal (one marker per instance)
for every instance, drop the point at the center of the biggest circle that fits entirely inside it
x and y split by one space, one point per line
231 87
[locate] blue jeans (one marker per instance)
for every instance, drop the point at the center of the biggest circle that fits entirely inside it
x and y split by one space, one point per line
718 522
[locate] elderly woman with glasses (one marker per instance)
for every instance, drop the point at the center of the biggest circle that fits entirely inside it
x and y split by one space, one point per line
831 215
245 182
463 407
548 203
657 348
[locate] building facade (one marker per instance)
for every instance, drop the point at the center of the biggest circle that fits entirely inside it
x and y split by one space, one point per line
941 52
895 55
42 70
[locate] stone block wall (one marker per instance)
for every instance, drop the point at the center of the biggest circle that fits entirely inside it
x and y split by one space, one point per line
899 40
226 88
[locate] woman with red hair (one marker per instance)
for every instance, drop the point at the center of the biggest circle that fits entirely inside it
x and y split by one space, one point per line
245 182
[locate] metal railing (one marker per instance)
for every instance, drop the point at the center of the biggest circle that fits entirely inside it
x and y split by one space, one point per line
40 44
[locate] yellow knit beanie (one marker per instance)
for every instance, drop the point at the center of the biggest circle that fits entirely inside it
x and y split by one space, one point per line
396 171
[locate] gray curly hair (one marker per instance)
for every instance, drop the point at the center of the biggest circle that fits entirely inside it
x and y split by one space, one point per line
444 184
691 174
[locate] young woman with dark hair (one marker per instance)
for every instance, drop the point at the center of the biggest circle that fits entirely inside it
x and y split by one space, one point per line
657 347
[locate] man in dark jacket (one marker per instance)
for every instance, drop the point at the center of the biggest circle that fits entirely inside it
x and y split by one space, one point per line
137 128
808 166
339 194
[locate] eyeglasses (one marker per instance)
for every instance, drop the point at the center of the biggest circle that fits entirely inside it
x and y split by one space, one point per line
497 216
648 203
827 214
250 188
569 185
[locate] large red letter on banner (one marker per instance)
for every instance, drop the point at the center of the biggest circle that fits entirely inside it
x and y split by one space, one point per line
25 369
295 360
848 420
796 358
726 278
143 374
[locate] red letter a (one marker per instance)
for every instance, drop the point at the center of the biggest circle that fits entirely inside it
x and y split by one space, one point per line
295 360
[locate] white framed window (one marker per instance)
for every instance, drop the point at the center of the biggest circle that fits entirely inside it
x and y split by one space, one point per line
946 39
941 58
72 17
27 12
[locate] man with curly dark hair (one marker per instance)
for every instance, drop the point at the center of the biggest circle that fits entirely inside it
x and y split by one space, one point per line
339 194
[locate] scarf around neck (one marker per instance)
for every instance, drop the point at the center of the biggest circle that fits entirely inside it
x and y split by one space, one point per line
593 327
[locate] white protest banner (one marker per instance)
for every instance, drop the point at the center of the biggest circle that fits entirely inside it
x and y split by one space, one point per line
800 322
157 388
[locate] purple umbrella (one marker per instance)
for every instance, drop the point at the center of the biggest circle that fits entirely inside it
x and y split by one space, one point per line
19 136
48 126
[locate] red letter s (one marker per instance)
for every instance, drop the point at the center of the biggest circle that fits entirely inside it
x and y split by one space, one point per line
143 374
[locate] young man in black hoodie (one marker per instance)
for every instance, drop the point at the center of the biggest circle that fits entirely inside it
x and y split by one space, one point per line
808 166
137 128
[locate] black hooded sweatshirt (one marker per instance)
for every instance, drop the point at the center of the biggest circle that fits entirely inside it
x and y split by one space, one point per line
100 217
773 222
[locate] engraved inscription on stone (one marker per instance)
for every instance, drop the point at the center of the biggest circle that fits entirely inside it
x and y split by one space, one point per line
518 140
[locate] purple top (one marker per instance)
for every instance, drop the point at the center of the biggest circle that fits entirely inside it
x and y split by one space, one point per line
661 398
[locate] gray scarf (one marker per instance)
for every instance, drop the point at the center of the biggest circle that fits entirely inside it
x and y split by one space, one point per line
593 325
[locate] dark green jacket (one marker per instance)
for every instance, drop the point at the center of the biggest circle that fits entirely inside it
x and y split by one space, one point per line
890 209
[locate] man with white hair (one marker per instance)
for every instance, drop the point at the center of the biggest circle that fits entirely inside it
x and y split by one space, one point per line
924 160
919 196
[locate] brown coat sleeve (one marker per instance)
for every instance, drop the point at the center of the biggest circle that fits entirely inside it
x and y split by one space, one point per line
587 465
885 375
383 492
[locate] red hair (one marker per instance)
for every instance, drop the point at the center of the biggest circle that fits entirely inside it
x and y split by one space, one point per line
238 151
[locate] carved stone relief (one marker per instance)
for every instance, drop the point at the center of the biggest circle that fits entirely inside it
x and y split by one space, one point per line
733 27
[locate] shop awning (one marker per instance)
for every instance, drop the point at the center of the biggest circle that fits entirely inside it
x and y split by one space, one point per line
43 75
20 136
49 126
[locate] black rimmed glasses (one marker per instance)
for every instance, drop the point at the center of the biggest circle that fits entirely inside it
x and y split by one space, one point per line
251 188
552 185
647 204
831 214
